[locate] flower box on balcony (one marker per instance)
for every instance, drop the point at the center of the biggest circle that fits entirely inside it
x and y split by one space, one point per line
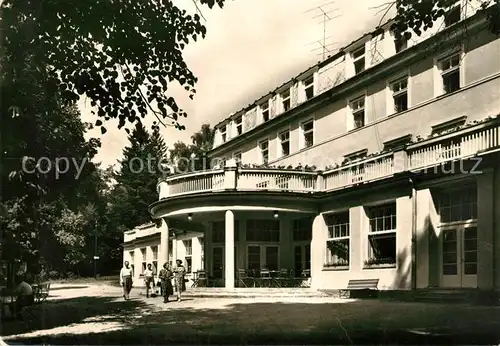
375 263
336 266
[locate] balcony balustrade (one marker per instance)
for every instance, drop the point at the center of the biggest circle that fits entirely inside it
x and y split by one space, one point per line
460 144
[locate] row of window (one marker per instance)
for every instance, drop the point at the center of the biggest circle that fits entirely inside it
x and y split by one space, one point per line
306 89
261 230
358 57
449 68
453 206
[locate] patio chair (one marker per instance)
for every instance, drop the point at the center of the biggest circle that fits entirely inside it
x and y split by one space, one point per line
283 277
304 278
243 279
200 279
266 277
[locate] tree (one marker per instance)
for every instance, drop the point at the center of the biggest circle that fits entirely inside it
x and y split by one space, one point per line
191 157
417 16
122 55
137 178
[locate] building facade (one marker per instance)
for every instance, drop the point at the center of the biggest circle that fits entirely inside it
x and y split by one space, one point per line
380 162
143 246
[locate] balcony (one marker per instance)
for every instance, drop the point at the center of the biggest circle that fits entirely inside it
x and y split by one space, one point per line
466 142
463 143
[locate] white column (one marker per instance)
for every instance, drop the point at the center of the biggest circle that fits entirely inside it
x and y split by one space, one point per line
229 253
163 255
174 250
196 255
318 243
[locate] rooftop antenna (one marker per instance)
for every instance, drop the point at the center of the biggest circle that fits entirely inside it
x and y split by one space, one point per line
326 14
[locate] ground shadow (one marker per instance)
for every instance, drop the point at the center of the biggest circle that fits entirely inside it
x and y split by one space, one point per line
62 312
365 322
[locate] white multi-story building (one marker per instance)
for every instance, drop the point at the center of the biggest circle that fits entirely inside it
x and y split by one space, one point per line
402 182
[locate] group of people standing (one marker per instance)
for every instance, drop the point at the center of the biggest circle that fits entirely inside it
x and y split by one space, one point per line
166 275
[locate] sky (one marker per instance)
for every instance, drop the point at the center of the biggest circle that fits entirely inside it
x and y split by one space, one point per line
251 47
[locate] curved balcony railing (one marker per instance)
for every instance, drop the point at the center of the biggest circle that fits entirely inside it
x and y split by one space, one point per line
460 144
270 179
360 172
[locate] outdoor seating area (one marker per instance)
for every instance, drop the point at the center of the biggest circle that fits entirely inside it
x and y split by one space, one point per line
256 278
8 297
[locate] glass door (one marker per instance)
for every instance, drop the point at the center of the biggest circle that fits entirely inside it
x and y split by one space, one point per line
253 260
271 257
218 262
459 257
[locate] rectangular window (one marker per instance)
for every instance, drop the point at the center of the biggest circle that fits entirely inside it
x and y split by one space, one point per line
309 87
237 157
382 235
358 57
264 151
453 16
155 259
264 111
143 259
308 133
284 138
458 204
285 100
132 259
253 258
400 95
450 73
219 231
223 133
263 230
358 112
239 125
337 244
188 245
302 229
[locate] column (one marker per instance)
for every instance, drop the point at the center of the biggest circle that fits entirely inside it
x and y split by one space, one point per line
496 231
229 251
137 265
163 255
404 216
485 217
318 243
196 254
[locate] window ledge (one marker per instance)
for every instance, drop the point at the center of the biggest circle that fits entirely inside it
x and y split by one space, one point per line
379 266
336 268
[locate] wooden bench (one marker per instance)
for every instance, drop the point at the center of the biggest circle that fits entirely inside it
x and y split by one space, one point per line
367 286
41 292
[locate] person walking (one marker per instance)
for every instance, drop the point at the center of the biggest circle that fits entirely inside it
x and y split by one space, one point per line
149 279
166 275
126 280
179 272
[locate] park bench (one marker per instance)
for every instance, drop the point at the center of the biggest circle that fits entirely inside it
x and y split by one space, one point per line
362 287
41 292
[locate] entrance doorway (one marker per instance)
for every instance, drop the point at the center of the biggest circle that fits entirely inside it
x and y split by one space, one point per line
302 258
218 260
262 256
459 256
